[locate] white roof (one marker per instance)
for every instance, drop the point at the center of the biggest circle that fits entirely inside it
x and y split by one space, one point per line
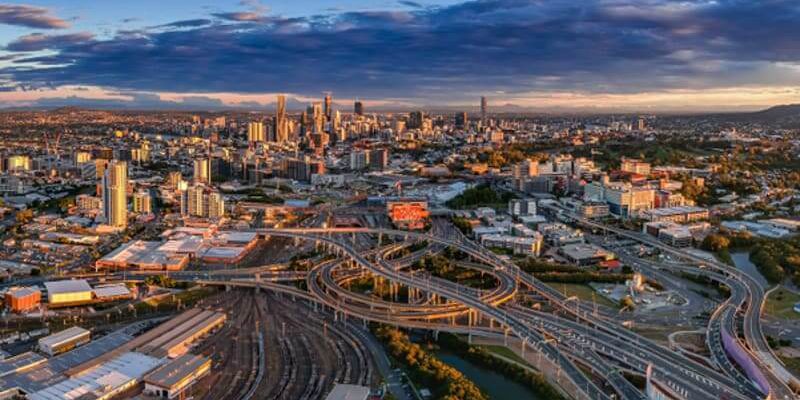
100 380
348 392
111 291
223 252
63 336
188 244
68 286
236 237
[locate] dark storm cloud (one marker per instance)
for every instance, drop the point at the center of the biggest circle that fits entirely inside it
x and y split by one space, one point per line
30 16
443 52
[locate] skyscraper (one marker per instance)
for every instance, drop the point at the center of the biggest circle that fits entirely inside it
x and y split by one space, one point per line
142 202
415 119
461 120
281 125
201 201
328 107
115 201
484 109
358 108
317 117
256 132
202 170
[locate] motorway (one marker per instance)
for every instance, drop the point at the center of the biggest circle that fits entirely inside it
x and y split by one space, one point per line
572 341
692 377
747 296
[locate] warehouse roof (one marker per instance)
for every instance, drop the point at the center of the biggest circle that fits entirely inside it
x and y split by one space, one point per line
63 336
106 291
69 286
236 237
23 291
101 380
172 373
348 392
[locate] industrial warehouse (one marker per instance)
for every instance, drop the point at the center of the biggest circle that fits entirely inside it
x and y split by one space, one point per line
72 366
66 293
179 247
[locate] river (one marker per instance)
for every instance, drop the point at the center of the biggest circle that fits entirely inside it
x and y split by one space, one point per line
741 260
497 386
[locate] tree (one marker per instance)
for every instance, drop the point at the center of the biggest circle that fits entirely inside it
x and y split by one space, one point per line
627 303
715 242
24 216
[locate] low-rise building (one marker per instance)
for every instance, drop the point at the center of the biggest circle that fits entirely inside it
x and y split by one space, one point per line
529 246
783 223
558 234
176 377
408 214
68 292
675 234
104 381
143 255
522 207
65 340
348 392
585 254
112 292
682 214
22 299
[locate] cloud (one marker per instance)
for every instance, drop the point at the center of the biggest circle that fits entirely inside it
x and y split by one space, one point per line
38 41
409 3
241 16
446 53
188 23
30 17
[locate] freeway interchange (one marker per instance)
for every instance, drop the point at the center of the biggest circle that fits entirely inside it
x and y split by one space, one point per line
587 354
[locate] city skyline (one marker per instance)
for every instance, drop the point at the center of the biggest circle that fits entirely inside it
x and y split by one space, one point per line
599 56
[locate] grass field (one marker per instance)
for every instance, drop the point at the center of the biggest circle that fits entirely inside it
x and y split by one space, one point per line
583 292
505 352
792 364
780 304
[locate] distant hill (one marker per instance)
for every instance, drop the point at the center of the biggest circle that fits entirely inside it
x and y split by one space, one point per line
783 114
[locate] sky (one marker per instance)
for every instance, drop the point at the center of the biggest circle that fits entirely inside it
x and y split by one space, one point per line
545 55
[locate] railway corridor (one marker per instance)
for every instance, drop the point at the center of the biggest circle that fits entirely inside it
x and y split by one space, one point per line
304 351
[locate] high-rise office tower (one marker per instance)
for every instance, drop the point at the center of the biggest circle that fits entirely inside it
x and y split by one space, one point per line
461 120
256 132
318 118
415 119
202 201
142 202
202 170
115 201
337 121
328 107
358 108
281 124
484 109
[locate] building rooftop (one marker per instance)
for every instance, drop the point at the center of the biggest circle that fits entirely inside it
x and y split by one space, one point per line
348 392
172 373
68 286
581 251
224 252
63 336
667 211
236 237
101 380
23 291
111 291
